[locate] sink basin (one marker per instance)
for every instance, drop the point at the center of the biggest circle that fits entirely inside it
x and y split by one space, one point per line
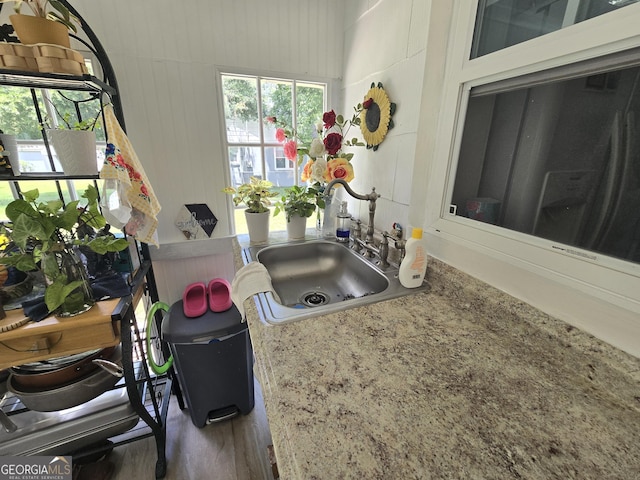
317 277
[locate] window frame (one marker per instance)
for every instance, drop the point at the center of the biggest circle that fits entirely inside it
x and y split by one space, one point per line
328 84
612 282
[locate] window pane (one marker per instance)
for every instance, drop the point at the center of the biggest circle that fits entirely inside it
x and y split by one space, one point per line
277 101
559 160
6 197
309 107
245 162
240 96
502 23
280 171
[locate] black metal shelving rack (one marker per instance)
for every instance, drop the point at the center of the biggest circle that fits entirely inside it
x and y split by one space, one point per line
149 394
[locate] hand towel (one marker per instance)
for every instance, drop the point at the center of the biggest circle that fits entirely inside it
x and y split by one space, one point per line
127 199
251 279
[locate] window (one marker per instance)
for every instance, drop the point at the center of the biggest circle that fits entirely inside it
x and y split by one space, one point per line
502 23
252 148
534 130
558 159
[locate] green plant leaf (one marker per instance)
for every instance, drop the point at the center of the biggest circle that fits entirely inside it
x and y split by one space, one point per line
104 244
31 195
56 293
20 207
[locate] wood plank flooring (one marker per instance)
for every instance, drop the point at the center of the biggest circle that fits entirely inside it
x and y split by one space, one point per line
235 449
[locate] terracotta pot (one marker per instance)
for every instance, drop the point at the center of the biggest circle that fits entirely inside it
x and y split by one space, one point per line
32 30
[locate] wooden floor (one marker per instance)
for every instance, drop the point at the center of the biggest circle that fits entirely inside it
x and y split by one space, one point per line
235 449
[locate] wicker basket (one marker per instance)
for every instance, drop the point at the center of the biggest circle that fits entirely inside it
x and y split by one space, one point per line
15 56
56 59
41 57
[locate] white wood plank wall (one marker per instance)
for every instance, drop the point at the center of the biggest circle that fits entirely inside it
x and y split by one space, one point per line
165 55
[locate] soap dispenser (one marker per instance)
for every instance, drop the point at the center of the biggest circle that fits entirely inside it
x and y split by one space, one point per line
343 224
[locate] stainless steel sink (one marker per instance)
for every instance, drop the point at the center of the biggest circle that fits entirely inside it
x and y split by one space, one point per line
317 277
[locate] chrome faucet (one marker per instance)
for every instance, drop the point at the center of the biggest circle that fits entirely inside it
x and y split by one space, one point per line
371 198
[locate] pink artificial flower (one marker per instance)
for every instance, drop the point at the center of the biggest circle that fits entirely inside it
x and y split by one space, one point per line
272 120
329 119
291 150
280 135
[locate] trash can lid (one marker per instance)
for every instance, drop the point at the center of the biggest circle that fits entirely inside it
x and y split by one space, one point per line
176 328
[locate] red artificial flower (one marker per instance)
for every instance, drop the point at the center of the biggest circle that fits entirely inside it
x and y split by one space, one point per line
333 143
329 119
367 103
280 135
291 150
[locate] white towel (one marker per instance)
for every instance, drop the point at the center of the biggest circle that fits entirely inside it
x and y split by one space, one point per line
251 279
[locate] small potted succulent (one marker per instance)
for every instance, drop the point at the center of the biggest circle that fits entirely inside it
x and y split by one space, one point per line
256 195
50 22
298 204
46 237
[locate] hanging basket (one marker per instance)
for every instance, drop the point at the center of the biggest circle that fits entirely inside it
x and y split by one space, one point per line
32 30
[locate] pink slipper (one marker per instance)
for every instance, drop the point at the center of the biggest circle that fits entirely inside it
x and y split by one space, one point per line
194 300
219 295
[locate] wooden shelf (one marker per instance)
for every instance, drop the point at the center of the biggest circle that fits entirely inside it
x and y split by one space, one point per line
56 337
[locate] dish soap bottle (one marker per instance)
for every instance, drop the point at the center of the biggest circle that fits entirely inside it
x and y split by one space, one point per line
343 224
414 263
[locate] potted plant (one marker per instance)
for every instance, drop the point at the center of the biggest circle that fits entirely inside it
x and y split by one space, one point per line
50 22
75 144
46 236
298 204
256 195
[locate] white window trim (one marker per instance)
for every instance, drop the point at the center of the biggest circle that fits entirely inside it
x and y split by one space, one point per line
222 70
603 296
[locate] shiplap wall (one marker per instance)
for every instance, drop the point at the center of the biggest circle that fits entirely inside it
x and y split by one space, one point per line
385 41
165 55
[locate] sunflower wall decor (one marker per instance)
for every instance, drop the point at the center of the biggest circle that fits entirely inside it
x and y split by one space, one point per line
376 116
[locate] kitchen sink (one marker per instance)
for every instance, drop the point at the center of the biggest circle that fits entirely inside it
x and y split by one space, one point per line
316 277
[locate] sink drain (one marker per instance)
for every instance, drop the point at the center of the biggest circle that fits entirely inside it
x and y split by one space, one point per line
314 299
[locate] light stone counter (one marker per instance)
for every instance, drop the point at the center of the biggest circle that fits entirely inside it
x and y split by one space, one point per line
461 382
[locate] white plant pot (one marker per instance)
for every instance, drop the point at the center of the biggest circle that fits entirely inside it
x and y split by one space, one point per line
11 147
76 150
296 227
258 225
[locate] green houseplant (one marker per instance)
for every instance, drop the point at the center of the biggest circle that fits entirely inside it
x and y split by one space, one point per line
50 18
298 203
256 195
44 236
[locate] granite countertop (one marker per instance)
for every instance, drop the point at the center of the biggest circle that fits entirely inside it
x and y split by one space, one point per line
462 381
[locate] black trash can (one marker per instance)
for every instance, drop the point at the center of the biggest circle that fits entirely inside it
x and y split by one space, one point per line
213 359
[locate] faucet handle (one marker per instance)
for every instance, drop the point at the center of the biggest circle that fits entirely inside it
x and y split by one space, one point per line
397 231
